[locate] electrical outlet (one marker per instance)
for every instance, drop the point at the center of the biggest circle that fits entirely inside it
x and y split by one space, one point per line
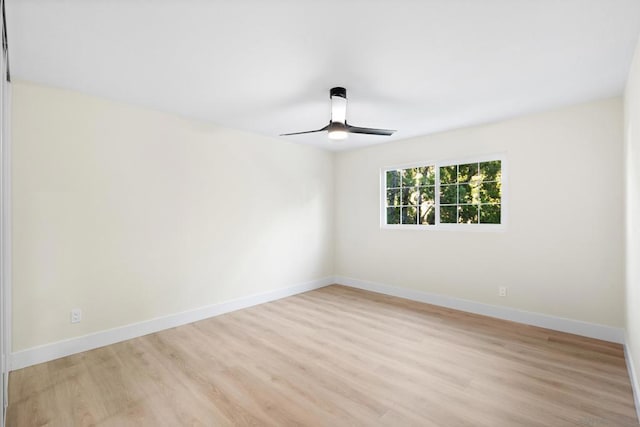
76 315
502 291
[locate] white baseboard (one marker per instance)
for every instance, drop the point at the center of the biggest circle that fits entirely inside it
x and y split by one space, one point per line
635 386
592 330
47 352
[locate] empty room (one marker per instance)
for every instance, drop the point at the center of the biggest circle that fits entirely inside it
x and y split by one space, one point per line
320 213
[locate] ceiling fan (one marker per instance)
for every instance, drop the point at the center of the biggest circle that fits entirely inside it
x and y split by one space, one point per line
338 128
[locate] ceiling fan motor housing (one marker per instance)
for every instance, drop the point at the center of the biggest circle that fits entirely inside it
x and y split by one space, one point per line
337 127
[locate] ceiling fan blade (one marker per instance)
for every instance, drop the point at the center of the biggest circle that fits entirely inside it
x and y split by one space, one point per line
370 131
306 131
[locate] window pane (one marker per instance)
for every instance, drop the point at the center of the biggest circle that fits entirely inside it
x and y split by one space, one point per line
448 214
393 179
448 174
393 197
427 194
427 175
448 194
490 192
410 196
410 177
464 192
466 172
490 214
468 214
490 171
427 214
469 193
393 215
409 215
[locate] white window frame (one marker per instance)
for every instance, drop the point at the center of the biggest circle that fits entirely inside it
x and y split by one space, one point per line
447 226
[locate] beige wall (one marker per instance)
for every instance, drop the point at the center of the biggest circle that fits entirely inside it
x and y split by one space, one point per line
632 154
562 252
132 214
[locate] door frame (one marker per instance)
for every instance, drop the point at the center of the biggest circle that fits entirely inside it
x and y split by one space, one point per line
5 242
5 217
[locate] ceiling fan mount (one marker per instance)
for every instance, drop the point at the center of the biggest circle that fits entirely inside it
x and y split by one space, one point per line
338 91
338 128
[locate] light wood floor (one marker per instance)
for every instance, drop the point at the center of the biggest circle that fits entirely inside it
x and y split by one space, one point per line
331 357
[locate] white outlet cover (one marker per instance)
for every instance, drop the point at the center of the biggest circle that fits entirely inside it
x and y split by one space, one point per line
76 315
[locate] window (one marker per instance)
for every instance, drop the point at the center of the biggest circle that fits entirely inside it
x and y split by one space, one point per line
445 194
411 195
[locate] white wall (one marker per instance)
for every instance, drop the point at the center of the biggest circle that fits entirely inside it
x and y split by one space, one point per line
632 155
562 253
132 214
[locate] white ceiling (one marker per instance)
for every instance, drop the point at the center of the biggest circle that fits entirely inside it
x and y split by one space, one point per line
266 66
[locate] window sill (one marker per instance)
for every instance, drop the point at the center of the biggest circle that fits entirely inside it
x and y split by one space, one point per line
494 228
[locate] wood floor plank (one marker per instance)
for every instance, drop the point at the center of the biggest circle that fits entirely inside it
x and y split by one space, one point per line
330 357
